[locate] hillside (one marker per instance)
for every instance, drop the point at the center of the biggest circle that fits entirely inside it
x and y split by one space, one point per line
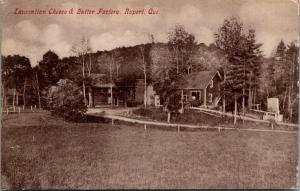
125 61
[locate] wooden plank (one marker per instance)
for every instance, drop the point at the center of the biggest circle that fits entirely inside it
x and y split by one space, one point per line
219 128
243 117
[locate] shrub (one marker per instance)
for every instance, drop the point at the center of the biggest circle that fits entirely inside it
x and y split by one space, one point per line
132 103
152 113
195 103
173 103
66 100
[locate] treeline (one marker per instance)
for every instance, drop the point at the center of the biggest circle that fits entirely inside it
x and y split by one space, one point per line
280 78
250 78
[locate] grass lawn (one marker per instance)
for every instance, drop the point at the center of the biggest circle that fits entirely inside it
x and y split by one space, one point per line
40 151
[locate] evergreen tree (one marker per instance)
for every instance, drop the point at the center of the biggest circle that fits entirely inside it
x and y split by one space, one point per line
244 60
48 69
280 61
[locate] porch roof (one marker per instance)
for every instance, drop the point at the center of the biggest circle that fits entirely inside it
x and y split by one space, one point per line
102 85
10 92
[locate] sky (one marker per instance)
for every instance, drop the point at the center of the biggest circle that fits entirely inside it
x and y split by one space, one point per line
31 35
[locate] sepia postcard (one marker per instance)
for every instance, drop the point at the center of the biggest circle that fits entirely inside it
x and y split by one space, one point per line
149 94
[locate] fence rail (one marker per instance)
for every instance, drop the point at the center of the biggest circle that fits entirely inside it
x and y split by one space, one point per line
19 109
178 126
243 117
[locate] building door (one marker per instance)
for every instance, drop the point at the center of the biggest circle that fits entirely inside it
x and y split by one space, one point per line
116 101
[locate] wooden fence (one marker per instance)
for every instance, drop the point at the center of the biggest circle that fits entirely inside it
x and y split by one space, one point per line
19 109
243 117
178 126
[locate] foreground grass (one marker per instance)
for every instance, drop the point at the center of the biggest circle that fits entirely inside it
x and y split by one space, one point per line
39 151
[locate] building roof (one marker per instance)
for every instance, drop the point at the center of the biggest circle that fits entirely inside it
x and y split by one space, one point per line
101 81
198 80
10 92
107 85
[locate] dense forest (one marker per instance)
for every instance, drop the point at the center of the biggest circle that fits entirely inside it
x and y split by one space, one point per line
235 53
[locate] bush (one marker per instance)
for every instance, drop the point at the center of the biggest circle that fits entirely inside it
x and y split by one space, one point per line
132 103
152 113
195 103
173 103
66 100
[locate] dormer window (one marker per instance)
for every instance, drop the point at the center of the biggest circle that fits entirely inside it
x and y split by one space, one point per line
211 85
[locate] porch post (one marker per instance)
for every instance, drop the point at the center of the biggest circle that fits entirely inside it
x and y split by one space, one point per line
111 96
223 100
90 97
182 98
17 98
204 97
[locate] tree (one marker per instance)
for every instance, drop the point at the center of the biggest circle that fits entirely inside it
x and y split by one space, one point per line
142 53
292 54
280 61
167 89
47 68
36 85
143 67
111 64
81 50
15 74
48 73
283 75
252 66
228 38
243 57
106 61
165 79
181 44
207 58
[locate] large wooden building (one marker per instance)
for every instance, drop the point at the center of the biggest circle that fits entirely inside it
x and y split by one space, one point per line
197 89
201 88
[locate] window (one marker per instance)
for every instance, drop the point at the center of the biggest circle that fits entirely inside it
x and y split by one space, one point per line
211 85
210 97
195 95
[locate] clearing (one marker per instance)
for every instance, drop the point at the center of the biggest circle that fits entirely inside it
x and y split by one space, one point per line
40 151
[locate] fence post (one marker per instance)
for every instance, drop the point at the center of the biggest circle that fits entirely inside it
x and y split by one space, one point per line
219 128
7 111
112 121
19 109
145 126
178 128
31 108
272 125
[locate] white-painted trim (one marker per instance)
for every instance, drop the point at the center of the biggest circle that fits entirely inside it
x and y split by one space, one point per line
217 72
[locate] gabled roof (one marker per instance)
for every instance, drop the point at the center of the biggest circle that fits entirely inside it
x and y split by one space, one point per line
101 81
198 80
